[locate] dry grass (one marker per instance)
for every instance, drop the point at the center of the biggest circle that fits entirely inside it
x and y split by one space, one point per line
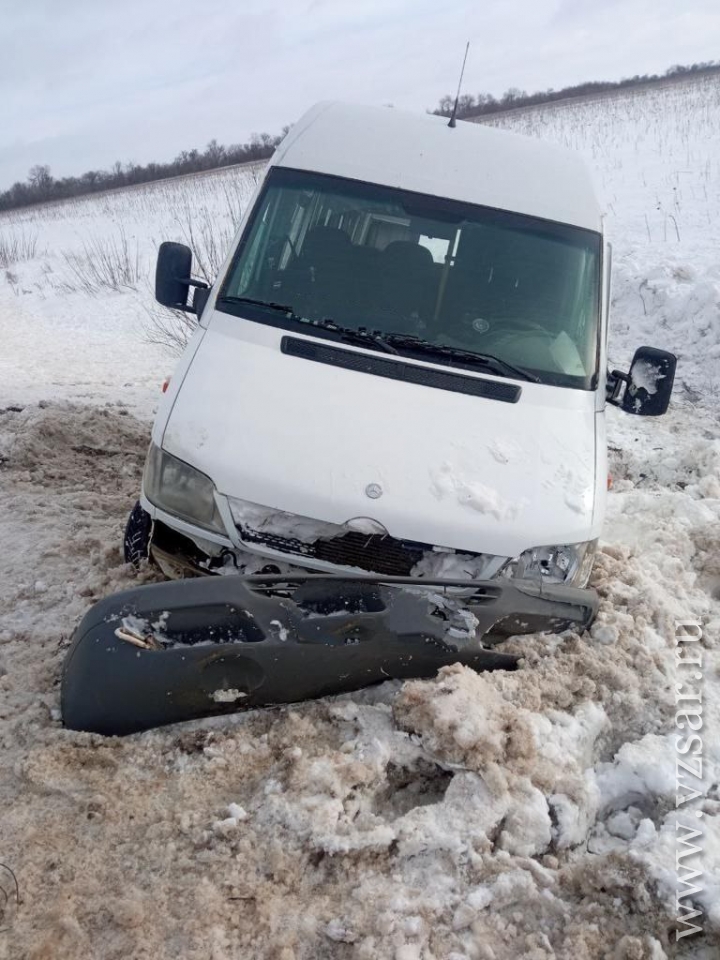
170 329
105 263
15 247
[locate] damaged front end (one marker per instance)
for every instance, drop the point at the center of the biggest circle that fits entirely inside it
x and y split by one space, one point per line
196 648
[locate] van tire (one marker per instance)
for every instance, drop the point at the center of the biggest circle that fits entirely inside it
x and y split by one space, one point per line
136 542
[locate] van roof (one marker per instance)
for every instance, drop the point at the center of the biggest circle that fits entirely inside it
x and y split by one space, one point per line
472 162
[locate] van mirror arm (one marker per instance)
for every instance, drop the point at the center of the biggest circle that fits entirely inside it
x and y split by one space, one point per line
615 381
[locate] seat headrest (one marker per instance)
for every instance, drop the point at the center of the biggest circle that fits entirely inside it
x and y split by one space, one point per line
323 242
406 254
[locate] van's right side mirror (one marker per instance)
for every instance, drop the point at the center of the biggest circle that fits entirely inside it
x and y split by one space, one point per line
646 389
173 277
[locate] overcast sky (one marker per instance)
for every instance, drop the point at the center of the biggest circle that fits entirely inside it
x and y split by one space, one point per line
84 83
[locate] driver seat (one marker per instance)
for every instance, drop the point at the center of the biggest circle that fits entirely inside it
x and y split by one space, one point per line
405 283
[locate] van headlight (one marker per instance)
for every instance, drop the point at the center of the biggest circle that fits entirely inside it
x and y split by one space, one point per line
568 563
176 487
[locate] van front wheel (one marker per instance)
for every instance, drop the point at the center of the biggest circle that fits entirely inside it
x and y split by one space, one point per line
136 543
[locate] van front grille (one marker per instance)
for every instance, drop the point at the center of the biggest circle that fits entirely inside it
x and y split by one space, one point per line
374 553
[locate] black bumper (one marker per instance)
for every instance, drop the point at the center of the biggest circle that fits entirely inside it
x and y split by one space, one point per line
221 644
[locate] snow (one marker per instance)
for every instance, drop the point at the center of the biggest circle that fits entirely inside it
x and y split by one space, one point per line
76 318
237 812
506 815
227 696
646 376
449 482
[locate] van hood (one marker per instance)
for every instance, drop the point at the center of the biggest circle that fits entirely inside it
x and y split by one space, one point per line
430 465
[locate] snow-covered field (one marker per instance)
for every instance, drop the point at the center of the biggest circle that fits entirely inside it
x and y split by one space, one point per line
75 317
526 815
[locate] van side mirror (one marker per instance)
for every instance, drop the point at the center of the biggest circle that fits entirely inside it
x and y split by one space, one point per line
646 389
173 278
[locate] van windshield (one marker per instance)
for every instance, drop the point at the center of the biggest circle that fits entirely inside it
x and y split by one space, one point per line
465 278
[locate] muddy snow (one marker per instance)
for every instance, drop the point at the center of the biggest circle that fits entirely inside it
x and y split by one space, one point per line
473 817
527 814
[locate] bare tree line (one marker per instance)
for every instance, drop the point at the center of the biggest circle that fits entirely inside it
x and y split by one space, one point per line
484 103
41 186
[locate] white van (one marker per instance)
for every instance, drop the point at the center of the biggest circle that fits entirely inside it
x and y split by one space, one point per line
401 368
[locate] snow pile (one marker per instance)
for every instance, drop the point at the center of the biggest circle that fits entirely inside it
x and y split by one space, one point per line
522 758
674 305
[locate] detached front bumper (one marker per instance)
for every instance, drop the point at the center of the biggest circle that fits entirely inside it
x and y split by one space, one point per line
183 650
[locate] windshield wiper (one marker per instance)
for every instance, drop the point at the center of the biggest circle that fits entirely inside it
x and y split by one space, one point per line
281 307
387 342
360 336
487 360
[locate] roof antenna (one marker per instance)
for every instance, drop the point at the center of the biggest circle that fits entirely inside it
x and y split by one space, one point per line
457 95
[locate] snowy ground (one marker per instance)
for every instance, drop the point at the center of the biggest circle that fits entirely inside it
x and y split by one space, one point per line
76 302
526 815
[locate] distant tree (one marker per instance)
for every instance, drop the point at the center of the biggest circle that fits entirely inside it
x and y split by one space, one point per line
18 193
214 154
40 180
466 102
41 186
39 175
485 103
513 95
